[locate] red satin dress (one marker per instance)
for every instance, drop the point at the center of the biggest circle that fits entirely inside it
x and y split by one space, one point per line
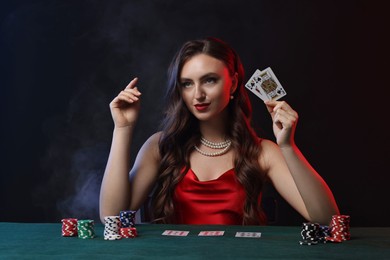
214 202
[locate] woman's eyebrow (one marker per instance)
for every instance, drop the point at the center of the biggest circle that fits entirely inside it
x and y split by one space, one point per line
210 74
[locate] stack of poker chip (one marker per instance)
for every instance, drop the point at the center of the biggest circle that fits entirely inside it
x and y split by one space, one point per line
112 225
339 229
129 232
85 228
69 227
324 232
127 218
128 229
310 234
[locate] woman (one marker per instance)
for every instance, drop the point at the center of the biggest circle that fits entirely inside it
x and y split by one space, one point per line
206 165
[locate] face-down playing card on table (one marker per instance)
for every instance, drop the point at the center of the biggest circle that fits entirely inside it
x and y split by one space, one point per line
248 234
177 233
211 233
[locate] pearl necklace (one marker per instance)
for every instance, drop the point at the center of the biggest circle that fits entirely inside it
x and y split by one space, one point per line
222 145
215 145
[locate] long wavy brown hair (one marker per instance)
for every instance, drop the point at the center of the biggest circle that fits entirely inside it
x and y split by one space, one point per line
180 132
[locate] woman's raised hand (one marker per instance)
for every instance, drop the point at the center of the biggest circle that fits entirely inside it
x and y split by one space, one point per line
284 122
125 107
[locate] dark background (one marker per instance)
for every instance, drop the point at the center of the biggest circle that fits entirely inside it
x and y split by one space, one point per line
63 61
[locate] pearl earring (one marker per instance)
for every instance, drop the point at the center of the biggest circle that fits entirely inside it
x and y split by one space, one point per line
231 97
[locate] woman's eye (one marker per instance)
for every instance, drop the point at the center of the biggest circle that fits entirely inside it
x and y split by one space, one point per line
211 80
185 84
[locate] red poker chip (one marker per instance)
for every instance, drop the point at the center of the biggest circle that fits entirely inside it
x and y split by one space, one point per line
128 232
69 227
339 229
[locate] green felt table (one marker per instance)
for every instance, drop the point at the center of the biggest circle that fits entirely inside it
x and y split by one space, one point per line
44 241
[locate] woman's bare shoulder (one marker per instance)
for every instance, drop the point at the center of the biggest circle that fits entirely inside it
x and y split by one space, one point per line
155 138
267 144
268 151
151 146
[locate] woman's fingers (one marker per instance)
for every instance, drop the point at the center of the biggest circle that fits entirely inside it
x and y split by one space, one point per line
275 106
130 95
131 92
270 105
132 83
282 114
284 119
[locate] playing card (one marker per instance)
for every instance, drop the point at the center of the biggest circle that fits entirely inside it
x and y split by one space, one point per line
271 85
248 234
211 233
253 85
179 233
265 85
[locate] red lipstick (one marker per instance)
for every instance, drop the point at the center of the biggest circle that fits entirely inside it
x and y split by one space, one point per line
202 106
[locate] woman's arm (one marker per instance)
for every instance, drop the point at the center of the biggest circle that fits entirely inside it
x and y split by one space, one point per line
298 183
293 176
115 188
117 191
